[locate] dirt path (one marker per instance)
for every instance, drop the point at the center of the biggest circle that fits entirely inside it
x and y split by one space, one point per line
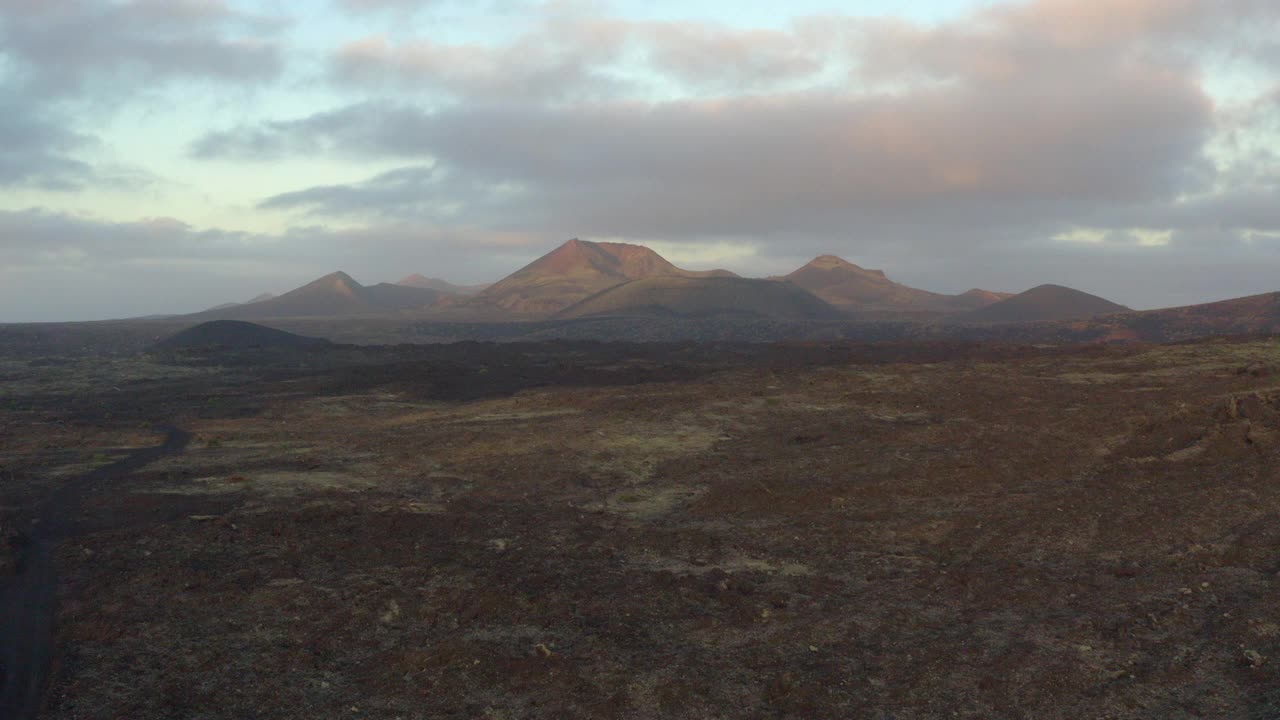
27 605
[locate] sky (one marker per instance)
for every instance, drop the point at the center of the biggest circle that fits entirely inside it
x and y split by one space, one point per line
164 156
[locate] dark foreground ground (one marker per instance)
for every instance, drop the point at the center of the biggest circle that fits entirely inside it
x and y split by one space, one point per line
576 530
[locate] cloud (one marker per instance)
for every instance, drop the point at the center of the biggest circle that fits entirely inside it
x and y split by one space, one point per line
55 266
721 59
574 57
363 6
541 67
409 187
66 65
41 152
374 128
60 48
571 52
1025 119
800 161
945 149
59 266
37 151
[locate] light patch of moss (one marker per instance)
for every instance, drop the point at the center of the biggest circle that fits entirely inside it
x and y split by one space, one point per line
635 450
649 502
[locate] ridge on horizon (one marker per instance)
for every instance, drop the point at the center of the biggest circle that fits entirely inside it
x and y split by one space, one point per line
579 269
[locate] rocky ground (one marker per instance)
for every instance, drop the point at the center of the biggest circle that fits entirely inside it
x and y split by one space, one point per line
609 531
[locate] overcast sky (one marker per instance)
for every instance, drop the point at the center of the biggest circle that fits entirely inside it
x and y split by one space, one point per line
162 156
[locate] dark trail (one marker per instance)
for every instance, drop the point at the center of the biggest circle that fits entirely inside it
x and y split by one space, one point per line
27 603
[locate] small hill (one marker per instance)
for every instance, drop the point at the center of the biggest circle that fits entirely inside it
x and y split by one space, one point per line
335 294
1252 315
575 271
254 299
703 297
444 286
978 298
859 290
236 335
387 296
1046 302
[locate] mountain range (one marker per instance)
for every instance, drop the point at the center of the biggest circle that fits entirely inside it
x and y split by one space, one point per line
429 283
582 279
1046 302
862 291
716 296
335 294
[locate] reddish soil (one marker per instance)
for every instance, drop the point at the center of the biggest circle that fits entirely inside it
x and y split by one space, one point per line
614 531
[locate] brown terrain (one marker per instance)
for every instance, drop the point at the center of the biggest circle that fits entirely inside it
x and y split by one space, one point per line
582 279
334 295
1044 303
858 290
701 297
731 317
1255 314
444 286
255 299
606 530
575 271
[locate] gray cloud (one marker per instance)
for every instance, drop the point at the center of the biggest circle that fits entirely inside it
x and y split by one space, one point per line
798 162
575 57
58 48
62 62
37 151
40 151
411 190
1049 140
363 129
163 265
57 266
401 9
379 5
536 67
1024 120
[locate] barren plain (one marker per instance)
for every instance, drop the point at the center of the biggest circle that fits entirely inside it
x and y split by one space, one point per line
596 530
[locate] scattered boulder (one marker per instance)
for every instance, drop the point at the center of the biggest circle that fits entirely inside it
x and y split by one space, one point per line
1255 369
1253 659
1257 407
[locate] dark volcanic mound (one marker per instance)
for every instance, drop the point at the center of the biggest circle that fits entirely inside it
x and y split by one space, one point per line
1046 302
236 335
704 297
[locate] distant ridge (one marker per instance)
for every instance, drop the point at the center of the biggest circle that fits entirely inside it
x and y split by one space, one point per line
335 294
979 298
859 290
575 271
695 297
444 286
254 299
1046 302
